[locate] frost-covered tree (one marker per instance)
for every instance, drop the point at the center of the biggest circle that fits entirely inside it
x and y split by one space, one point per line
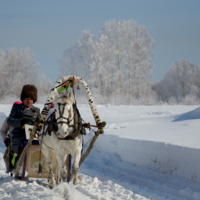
21 69
3 73
132 53
117 63
44 85
181 83
17 68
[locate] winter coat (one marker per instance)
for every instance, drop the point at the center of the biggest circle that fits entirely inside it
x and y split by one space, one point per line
18 136
5 129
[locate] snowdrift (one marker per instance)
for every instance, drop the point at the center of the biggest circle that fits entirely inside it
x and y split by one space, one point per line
163 157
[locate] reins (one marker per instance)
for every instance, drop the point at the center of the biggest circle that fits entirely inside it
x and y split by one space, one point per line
99 126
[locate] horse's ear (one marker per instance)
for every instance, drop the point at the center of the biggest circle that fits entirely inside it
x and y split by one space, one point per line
70 95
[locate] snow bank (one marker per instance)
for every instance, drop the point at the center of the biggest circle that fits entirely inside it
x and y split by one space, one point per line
167 158
165 140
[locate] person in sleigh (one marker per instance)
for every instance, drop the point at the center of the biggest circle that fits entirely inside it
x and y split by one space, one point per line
5 134
21 114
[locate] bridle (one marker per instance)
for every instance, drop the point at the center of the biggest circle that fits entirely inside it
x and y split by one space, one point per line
64 120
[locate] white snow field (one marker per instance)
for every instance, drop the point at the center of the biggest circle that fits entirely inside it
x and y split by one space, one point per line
146 152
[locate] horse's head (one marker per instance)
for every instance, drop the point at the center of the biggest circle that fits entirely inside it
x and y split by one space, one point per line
64 114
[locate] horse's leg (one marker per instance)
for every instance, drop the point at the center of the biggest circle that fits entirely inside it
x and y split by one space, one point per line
58 177
61 165
75 168
21 171
48 159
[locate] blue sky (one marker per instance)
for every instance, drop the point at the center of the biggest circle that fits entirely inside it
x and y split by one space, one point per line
48 27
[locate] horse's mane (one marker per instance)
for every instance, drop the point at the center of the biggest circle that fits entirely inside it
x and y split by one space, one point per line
66 97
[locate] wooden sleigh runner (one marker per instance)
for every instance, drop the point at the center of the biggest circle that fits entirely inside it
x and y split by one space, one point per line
32 158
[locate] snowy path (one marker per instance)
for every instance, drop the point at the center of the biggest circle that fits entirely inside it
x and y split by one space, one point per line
90 188
114 180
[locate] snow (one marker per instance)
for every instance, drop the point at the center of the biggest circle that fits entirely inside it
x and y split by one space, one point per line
146 152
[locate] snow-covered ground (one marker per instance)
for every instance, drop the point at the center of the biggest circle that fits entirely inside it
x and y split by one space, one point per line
147 152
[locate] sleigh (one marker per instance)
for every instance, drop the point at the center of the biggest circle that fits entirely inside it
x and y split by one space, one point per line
31 157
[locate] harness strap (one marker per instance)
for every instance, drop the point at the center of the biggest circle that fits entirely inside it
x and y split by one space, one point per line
77 131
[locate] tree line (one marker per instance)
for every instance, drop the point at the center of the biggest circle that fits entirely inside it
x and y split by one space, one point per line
117 65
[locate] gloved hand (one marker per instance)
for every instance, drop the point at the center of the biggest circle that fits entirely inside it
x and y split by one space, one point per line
7 141
26 120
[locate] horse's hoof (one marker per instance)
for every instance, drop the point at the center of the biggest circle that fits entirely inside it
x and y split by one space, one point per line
77 181
52 184
51 187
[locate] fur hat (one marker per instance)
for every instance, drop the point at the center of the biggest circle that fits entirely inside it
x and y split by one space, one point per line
29 91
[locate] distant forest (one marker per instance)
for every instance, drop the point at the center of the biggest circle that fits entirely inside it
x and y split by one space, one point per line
117 65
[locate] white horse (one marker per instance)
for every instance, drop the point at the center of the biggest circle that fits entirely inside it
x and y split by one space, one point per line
59 140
